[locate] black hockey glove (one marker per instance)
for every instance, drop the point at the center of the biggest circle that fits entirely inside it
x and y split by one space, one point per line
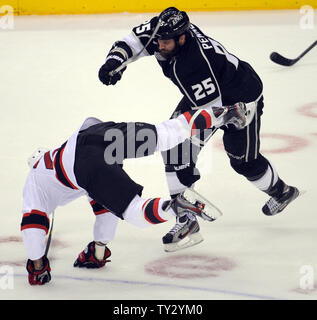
39 277
111 64
118 54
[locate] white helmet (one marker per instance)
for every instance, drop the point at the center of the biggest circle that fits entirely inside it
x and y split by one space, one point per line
37 154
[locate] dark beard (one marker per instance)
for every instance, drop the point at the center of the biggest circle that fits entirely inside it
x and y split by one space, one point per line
171 54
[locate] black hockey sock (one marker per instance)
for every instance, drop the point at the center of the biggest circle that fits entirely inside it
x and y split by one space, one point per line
277 189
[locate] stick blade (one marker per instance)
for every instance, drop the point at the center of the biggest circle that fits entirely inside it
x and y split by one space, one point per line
279 59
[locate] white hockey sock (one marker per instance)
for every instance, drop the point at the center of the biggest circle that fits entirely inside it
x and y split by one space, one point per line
174 185
146 212
268 180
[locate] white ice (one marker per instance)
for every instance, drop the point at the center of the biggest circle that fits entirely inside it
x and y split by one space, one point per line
49 84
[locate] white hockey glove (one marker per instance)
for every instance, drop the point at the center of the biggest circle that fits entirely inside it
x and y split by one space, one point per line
235 114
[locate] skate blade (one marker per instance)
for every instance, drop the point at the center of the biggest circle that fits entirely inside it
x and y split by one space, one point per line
209 212
191 240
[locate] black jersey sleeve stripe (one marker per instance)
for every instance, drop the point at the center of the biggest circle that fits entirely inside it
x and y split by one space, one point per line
151 214
60 172
35 219
98 208
202 121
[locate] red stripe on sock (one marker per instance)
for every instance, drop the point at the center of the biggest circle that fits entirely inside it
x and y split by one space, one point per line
156 211
41 213
207 117
187 115
36 226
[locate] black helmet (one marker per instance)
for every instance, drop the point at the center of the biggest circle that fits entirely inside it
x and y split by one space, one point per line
173 23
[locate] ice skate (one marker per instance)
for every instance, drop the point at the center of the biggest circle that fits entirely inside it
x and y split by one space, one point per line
275 205
184 234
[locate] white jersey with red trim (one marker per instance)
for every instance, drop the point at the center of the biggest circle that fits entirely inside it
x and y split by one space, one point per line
52 182
44 191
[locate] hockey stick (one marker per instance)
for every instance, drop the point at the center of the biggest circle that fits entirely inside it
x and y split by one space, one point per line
49 239
133 58
279 59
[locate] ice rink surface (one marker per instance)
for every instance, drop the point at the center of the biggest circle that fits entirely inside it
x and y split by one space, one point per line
49 85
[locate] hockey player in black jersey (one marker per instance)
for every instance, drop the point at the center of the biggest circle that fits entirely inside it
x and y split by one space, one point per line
206 74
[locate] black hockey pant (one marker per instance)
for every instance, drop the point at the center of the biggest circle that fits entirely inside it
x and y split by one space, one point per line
241 146
98 162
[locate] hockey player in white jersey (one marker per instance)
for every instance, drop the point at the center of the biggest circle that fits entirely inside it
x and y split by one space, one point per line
90 163
206 74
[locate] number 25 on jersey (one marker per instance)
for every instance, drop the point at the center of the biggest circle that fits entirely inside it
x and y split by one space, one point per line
203 89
